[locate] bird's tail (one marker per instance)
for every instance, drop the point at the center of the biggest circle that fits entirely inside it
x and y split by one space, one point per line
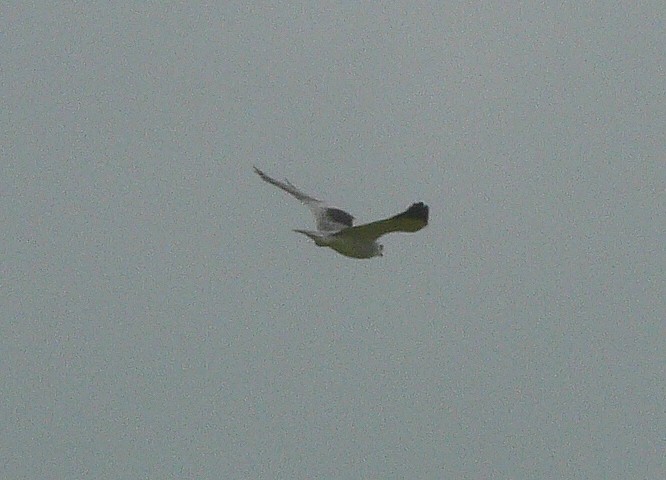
316 236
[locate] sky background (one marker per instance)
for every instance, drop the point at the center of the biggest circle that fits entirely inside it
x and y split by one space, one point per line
160 319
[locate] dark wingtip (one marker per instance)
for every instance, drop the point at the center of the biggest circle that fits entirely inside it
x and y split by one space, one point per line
418 211
261 174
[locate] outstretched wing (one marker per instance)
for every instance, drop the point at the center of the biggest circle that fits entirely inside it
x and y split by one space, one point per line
327 219
411 220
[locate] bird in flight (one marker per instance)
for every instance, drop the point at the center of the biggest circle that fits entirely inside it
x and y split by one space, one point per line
335 227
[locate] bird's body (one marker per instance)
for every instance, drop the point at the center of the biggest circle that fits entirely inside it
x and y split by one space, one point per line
348 248
335 227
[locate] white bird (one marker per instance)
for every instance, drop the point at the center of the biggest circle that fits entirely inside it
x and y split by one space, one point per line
335 227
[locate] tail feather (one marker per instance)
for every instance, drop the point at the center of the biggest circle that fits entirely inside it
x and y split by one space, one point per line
316 236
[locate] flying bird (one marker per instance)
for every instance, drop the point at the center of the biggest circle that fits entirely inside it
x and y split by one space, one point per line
335 227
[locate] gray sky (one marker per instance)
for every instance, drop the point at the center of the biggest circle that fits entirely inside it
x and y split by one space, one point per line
161 320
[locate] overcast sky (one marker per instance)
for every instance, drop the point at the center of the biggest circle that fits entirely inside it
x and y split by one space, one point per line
160 319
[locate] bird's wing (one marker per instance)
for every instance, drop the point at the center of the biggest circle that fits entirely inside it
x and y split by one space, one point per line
327 219
411 220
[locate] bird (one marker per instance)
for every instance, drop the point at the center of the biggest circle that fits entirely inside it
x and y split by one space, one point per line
336 230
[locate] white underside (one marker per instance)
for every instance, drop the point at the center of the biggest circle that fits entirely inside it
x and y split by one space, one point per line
345 246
